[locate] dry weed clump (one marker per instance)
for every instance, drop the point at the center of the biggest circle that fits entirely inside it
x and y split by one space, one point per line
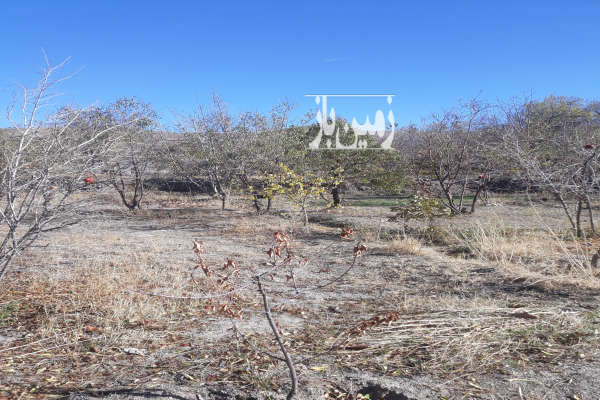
406 245
504 245
540 254
368 235
456 341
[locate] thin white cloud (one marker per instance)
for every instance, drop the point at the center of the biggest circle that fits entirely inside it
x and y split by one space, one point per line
335 59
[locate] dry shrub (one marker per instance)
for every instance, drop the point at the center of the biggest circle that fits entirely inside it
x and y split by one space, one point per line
438 236
503 245
541 254
407 245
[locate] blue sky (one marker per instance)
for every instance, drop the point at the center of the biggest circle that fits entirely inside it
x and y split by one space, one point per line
429 54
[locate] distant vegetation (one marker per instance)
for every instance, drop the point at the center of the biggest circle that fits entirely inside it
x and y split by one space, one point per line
548 146
445 286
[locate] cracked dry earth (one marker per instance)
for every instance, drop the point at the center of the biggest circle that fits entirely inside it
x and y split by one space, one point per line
77 325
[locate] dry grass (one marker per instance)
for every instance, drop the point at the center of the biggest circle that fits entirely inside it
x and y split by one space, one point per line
466 340
154 198
406 246
533 253
450 337
101 295
248 226
77 306
74 329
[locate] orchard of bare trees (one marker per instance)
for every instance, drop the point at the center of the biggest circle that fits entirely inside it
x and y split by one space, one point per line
547 146
257 168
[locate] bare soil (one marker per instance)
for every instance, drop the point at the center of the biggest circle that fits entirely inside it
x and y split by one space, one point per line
113 308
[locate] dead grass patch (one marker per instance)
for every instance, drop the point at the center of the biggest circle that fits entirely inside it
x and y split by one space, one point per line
460 341
539 255
406 245
71 325
469 339
68 325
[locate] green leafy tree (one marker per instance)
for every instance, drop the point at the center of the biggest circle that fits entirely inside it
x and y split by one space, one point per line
300 189
371 167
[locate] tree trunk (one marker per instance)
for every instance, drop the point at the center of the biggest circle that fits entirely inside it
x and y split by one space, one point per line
590 213
476 196
578 218
451 204
447 189
462 194
256 202
130 205
138 193
335 193
223 199
485 197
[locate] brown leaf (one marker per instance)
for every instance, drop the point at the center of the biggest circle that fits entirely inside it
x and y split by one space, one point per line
359 249
347 233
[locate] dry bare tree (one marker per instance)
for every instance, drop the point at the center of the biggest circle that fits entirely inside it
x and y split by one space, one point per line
228 150
134 136
211 147
272 139
45 157
447 149
129 162
554 146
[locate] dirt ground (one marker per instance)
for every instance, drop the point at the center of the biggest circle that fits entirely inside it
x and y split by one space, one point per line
501 304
